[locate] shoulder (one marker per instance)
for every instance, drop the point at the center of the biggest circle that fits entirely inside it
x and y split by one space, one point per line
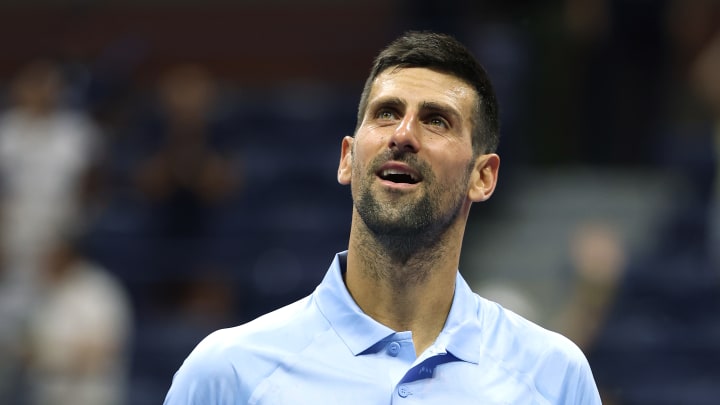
75 117
10 123
10 117
500 325
278 330
551 362
227 365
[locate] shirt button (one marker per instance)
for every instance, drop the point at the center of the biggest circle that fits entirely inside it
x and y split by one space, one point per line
403 391
393 349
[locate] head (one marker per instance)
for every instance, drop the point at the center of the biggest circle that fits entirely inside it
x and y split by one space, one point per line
37 87
442 53
422 151
187 92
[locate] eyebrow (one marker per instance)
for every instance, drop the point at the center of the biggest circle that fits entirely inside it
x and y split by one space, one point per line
426 106
388 102
441 109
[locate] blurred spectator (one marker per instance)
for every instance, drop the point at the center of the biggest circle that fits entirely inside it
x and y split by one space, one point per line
47 157
598 258
78 332
187 172
47 179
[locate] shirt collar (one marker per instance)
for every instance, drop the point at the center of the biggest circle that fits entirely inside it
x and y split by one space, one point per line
460 336
356 329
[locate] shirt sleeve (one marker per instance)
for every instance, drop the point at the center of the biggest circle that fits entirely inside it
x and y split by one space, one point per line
563 374
578 384
586 391
207 377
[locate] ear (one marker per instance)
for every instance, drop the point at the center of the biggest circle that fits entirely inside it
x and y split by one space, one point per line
484 177
345 168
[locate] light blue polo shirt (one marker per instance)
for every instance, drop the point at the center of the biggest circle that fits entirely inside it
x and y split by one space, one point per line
324 350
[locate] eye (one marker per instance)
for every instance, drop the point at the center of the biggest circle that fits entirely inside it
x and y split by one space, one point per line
385 114
438 122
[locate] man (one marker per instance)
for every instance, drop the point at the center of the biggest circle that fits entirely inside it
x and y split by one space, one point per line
393 321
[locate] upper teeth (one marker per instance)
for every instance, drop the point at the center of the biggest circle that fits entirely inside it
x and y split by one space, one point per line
388 172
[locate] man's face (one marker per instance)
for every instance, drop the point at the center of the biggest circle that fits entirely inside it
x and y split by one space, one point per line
411 157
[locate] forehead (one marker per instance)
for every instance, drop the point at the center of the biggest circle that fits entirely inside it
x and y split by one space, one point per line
421 85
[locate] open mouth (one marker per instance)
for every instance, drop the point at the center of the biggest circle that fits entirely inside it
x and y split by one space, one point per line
399 176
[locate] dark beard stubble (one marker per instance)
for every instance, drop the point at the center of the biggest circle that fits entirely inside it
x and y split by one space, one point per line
413 230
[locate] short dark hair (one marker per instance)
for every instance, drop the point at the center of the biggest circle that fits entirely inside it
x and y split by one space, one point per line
445 54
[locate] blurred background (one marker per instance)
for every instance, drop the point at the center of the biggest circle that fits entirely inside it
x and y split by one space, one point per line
168 169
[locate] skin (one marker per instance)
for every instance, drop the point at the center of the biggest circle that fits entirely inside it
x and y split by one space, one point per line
405 239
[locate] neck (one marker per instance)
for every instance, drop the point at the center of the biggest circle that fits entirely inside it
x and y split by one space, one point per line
404 288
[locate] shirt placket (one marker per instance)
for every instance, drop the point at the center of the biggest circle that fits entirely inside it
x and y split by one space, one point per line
406 390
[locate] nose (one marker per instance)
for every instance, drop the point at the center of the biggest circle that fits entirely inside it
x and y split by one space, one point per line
406 136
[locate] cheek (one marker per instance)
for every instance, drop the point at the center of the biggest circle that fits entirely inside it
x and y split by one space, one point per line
359 171
371 138
458 173
452 161
362 157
